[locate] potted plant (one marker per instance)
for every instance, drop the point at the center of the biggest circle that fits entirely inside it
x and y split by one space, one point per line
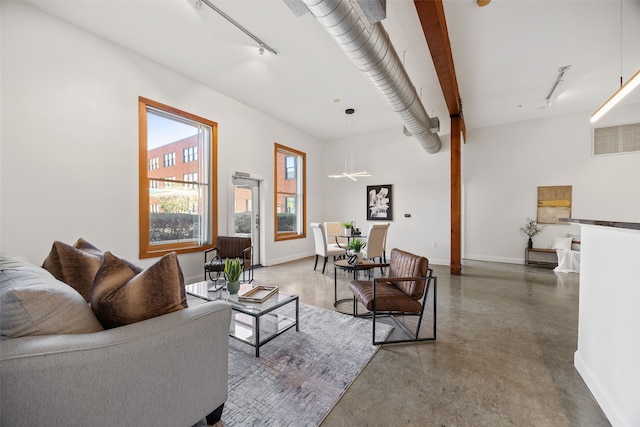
347 227
531 229
232 271
356 246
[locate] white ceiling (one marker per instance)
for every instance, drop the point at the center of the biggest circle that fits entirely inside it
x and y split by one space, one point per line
506 56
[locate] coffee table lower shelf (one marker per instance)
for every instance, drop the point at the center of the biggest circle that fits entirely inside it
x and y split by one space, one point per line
252 323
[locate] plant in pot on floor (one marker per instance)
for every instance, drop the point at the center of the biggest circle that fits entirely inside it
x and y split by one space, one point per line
531 229
232 271
355 248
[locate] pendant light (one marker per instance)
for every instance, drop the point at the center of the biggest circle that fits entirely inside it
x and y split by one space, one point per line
345 174
624 89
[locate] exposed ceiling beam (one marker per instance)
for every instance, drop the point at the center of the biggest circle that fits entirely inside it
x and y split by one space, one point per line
434 26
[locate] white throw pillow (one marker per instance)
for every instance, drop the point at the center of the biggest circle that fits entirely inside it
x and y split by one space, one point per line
562 243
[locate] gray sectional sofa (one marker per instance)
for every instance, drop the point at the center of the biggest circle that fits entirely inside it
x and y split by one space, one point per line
170 370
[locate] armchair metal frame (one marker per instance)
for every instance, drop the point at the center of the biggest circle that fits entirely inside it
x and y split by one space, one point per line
415 337
216 263
405 292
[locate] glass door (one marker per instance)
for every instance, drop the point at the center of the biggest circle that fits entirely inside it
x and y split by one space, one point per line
246 211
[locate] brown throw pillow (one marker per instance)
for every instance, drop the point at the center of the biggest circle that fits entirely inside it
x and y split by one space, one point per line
124 294
75 265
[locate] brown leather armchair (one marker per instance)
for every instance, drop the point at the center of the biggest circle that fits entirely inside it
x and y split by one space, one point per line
229 247
404 292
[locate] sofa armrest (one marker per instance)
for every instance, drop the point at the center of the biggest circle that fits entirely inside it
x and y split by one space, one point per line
168 370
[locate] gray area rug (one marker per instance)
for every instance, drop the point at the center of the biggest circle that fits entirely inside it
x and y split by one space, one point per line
299 376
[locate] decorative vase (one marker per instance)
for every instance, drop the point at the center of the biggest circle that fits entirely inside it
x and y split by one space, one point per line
233 287
530 243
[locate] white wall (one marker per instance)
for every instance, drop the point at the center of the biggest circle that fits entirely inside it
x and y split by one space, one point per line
69 159
504 165
502 169
421 188
70 139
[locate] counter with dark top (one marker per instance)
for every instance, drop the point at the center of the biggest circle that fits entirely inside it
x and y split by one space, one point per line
602 223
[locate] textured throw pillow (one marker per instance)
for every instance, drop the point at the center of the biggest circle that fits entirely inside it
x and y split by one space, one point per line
35 303
75 265
562 243
123 294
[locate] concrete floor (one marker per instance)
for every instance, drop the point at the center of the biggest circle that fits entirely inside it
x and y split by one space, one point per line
504 354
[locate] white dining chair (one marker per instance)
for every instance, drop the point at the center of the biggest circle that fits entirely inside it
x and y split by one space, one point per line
376 243
323 248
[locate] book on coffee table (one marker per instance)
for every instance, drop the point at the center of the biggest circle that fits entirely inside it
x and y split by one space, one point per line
258 294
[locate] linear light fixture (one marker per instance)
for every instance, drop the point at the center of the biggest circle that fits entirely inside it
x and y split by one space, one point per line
624 90
351 175
263 45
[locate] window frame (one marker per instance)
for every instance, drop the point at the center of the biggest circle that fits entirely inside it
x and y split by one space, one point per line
301 193
157 250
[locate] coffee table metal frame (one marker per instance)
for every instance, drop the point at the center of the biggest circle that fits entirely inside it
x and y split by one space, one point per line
260 318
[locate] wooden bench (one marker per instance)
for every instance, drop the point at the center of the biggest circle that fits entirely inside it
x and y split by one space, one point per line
541 256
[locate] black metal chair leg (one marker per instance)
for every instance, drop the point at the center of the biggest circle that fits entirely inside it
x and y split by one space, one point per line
316 264
325 263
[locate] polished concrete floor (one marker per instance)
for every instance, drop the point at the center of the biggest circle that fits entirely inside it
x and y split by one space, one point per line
503 356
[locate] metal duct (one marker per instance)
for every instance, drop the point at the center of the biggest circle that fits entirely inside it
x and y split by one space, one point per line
369 48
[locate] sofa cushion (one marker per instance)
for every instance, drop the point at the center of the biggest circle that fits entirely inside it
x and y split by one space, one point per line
124 294
35 303
75 265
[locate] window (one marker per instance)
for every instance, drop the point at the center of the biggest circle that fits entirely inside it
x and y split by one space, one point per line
176 215
153 163
290 205
191 177
169 159
190 154
290 165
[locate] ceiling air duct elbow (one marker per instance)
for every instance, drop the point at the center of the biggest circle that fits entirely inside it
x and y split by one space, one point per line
370 49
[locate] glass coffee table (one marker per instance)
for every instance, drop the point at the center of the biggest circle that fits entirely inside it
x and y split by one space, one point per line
254 323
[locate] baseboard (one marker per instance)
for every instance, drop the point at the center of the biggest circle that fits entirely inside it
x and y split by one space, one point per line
473 257
599 393
295 257
438 261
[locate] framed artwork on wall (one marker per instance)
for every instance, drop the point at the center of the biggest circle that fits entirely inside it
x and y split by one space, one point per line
379 202
554 203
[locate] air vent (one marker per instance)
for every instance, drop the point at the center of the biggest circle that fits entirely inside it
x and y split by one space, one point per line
622 139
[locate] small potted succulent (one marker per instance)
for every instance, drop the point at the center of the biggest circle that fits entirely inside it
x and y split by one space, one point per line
531 229
232 271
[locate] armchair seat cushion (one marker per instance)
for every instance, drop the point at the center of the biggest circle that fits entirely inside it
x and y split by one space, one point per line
388 297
